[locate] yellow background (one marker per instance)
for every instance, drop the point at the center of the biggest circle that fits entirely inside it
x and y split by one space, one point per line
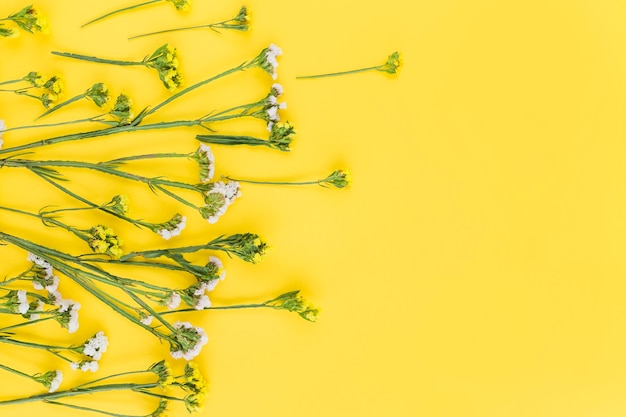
474 268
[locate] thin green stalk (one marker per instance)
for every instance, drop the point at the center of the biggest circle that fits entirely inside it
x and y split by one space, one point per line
113 376
120 11
78 391
70 122
61 105
26 323
149 156
31 345
93 410
232 140
273 182
233 307
98 60
16 372
333 74
11 81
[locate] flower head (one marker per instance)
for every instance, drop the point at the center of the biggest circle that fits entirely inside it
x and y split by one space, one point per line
187 341
99 94
51 379
281 136
165 61
54 85
85 366
242 19
161 410
119 204
67 312
339 178
8 32
3 127
293 302
392 65
267 60
17 301
34 78
206 162
122 110
30 20
173 301
218 199
102 239
163 370
95 346
182 5
197 385
171 228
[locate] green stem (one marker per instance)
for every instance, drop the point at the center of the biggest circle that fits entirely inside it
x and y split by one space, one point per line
26 323
16 372
232 140
112 376
89 119
120 11
31 345
168 30
198 84
78 391
233 307
93 410
149 156
98 60
61 105
333 74
11 81
273 182
48 219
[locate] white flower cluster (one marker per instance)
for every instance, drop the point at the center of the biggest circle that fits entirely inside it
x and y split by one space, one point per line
210 158
23 306
85 366
271 108
195 350
271 54
35 316
3 127
174 301
203 301
167 234
230 191
66 307
56 381
96 346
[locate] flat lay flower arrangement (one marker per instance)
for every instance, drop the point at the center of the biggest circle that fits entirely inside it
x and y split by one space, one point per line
105 271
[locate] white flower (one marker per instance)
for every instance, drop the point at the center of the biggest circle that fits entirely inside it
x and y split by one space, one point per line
23 302
56 381
272 53
230 192
70 308
277 90
195 350
85 366
203 302
39 307
42 263
3 127
167 234
220 266
174 301
51 287
206 150
96 346
147 320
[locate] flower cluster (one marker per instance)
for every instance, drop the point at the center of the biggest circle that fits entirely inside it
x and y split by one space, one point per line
206 162
28 19
187 341
218 199
196 385
35 85
171 228
103 239
267 60
51 379
165 61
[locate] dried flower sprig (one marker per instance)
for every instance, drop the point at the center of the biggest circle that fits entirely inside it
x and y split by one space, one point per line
191 388
181 5
45 91
241 22
266 60
98 93
391 66
28 19
51 380
164 60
